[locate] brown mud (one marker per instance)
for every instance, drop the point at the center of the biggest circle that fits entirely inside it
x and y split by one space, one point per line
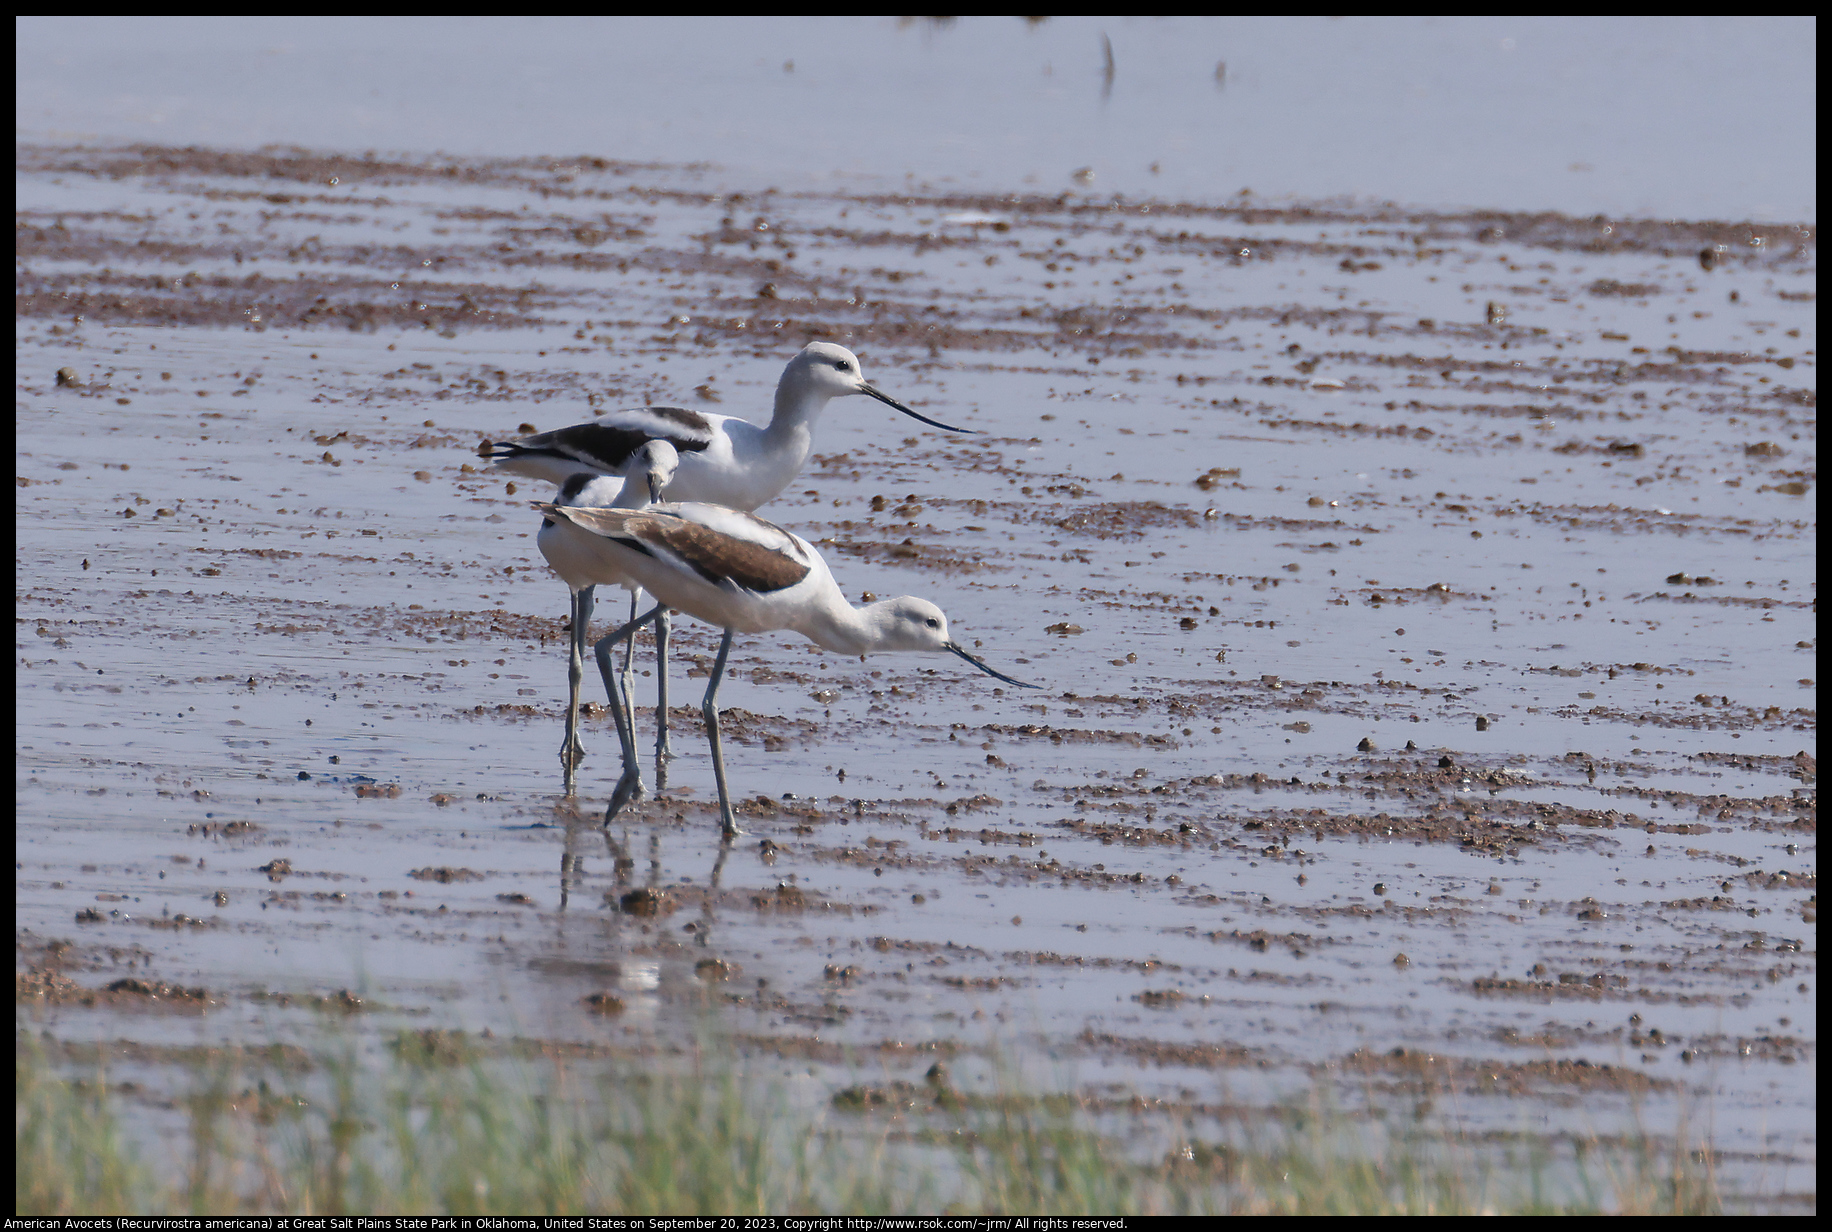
1424 605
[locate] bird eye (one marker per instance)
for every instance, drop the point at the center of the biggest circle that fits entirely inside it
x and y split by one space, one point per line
932 622
842 365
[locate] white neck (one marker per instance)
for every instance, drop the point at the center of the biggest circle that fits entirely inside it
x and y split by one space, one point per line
849 630
797 410
872 629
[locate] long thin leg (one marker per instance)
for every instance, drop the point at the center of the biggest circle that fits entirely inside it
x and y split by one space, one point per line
629 653
621 707
728 824
571 751
629 787
662 747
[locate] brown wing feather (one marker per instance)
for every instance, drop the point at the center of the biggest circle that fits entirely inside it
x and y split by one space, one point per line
717 557
714 556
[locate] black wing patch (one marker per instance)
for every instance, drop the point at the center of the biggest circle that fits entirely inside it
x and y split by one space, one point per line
692 421
575 483
608 446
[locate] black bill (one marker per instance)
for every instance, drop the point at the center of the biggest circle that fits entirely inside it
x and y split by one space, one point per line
989 671
933 423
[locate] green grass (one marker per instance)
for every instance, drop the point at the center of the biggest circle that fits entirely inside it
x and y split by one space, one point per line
433 1125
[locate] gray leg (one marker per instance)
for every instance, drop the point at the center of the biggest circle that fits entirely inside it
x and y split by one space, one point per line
662 749
629 787
629 653
571 751
728 824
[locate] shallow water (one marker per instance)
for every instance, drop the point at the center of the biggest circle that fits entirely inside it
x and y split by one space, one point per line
1660 116
1343 541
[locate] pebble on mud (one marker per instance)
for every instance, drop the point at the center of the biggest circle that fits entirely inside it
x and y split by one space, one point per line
712 969
645 902
445 875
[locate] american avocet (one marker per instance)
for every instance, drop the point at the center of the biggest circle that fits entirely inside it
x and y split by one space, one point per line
735 570
570 555
722 460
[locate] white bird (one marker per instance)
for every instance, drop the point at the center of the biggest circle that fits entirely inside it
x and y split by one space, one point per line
735 570
722 460
568 554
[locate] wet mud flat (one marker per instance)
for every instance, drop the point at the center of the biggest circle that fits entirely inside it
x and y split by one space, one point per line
1424 605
